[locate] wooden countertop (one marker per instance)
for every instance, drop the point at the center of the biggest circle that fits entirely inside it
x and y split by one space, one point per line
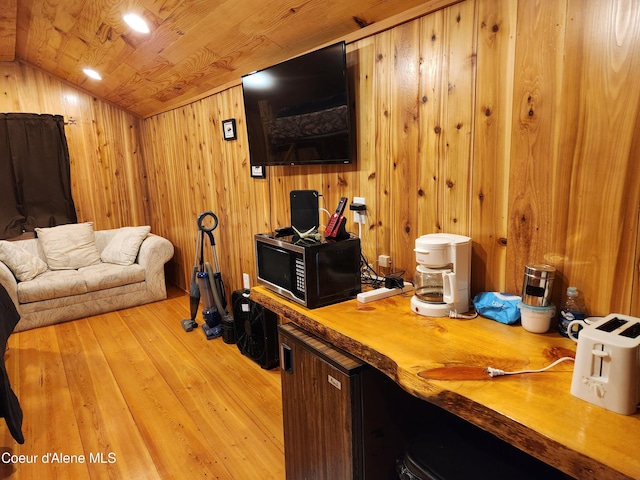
440 360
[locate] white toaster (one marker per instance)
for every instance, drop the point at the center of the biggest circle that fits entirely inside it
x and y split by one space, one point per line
607 366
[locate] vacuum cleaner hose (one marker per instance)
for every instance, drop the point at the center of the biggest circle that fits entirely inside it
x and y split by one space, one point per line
216 294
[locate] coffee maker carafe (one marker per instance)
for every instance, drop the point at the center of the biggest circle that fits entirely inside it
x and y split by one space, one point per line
443 275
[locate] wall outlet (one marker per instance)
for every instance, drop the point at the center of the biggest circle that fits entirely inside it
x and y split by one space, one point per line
384 260
246 282
359 216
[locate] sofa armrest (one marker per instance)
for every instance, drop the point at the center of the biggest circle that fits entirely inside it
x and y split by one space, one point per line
154 252
9 282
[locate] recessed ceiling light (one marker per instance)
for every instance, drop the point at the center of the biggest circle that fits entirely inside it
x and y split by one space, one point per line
136 22
92 73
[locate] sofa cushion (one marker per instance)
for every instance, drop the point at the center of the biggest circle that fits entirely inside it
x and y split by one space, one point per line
69 247
52 284
108 275
123 248
24 265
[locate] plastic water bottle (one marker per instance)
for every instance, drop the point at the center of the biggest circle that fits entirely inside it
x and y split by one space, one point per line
572 309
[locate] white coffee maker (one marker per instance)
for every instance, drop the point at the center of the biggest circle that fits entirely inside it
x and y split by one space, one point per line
442 280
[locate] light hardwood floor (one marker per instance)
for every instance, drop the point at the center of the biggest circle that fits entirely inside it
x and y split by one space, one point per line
140 398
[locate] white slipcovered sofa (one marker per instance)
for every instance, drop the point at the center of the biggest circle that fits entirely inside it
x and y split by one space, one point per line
71 271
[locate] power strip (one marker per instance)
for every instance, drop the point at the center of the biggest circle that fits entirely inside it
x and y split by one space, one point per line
380 293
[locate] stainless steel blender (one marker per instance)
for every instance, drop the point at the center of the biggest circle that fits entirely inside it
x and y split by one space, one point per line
442 280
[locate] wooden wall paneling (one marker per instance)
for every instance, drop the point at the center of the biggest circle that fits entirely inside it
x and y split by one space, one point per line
208 174
181 174
492 143
203 146
98 172
601 104
238 249
279 196
573 114
338 180
429 199
331 181
535 131
9 87
635 294
234 188
83 145
458 114
123 183
632 180
254 200
404 78
361 61
384 159
172 212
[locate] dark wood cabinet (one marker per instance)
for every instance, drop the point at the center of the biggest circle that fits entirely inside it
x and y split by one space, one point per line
322 414
336 412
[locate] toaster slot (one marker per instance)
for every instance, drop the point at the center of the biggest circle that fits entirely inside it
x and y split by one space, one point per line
600 361
632 332
611 325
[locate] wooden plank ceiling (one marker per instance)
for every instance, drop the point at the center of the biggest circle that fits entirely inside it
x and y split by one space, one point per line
195 46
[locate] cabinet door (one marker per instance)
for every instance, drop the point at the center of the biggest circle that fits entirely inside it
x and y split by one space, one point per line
322 426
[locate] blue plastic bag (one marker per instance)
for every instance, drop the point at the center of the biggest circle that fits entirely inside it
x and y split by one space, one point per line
502 307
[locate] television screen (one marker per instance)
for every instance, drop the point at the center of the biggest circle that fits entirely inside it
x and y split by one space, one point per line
297 112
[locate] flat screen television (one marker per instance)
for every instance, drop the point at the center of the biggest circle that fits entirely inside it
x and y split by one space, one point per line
297 112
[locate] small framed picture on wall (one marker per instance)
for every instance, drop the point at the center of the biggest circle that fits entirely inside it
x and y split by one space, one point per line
229 129
258 171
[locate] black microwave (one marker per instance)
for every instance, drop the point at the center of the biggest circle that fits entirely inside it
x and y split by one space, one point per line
312 273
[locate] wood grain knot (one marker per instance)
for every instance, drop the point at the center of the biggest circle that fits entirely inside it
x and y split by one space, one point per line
360 22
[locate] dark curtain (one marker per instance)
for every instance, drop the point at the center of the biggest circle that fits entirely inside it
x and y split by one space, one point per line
35 173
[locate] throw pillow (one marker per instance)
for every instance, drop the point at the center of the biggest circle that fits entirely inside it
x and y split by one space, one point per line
123 248
24 265
69 247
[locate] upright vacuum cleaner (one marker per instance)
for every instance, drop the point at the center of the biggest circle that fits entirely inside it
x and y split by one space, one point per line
207 285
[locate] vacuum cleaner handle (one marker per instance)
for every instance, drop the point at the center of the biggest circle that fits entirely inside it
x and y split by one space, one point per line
202 217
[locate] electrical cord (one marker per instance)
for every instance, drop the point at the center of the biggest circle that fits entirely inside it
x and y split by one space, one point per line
496 372
325 211
367 274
